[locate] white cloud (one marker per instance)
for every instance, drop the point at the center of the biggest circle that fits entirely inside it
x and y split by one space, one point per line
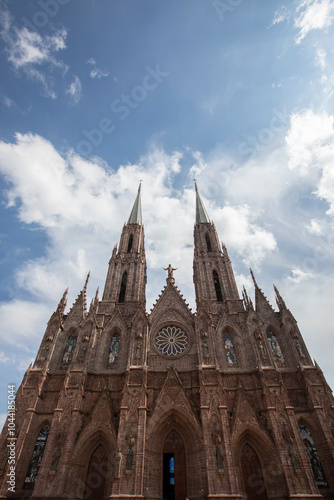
282 14
74 199
298 275
75 90
33 53
242 235
315 227
313 14
3 357
8 102
96 72
21 321
198 167
321 58
310 145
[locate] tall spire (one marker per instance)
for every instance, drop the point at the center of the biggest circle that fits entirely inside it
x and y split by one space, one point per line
135 216
201 213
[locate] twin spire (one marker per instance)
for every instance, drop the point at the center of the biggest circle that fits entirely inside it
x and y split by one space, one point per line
136 213
201 213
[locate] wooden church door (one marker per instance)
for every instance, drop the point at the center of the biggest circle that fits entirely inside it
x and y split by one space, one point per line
174 468
96 475
252 474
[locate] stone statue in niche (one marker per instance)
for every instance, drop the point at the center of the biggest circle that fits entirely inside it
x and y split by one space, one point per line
119 456
294 459
138 349
139 343
205 348
217 440
287 436
129 458
44 352
299 349
82 352
219 459
55 459
262 349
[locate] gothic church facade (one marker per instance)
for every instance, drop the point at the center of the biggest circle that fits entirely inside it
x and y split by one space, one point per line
120 404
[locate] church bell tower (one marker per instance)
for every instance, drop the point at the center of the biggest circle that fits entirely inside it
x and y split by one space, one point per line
126 278
215 285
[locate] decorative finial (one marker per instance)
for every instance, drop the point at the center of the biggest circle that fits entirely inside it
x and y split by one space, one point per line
253 277
87 279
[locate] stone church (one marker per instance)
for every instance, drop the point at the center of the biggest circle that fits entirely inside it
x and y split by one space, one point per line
224 403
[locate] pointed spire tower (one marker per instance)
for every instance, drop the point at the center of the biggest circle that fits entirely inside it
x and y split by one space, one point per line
215 285
201 213
136 216
126 278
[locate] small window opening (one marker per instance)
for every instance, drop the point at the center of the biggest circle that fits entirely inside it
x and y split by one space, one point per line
217 287
123 287
208 242
130 243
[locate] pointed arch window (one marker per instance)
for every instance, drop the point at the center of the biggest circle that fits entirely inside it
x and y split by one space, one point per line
36 458
122 291
114 351
275 349
68 352
218 289
313 456
230 353
130 243
208 242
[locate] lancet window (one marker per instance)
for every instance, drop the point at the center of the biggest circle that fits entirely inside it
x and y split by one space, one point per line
275 349
218 289
313 456
229 348
208 242
130 243
114 351
36 458
68 352
123 287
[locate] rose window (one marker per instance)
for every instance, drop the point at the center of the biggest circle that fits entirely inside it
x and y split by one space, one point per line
171 341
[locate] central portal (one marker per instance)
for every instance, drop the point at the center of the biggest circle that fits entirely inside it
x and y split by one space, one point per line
174 468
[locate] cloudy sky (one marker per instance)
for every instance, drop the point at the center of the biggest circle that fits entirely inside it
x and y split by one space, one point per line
96 95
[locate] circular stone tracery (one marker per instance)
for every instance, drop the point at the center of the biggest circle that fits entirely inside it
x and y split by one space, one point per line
171 341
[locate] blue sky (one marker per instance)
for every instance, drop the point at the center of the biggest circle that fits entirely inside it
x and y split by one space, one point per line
96 95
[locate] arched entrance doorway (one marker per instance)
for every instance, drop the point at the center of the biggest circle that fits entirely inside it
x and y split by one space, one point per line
174 468
96 475
252 474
